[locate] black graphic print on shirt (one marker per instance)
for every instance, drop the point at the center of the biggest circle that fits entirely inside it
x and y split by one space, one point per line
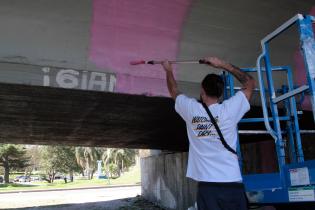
203 126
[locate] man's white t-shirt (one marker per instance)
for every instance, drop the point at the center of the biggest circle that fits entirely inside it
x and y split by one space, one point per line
209 160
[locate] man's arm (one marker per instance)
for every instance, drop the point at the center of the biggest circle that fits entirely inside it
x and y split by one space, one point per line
171 82
245 79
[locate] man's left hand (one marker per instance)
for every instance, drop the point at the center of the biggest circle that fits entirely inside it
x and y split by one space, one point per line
167 66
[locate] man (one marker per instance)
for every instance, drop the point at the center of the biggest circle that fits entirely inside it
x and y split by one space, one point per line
210 163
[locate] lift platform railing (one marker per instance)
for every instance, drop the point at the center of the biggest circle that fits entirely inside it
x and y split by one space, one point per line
290 182
308 48
291 117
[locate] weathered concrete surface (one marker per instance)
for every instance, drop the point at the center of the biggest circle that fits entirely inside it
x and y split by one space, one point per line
44 115
46 43
45 32
163 181
233 30
52 76
57 33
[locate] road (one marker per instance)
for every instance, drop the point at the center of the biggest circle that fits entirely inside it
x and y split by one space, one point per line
106 198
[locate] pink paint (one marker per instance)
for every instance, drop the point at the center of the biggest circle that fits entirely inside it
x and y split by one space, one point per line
300 73
124 30
142 85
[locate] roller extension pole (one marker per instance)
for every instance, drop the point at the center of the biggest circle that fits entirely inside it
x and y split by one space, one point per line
152 62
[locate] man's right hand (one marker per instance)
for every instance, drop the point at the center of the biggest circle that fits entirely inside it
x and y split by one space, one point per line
245 79
215 62
167 66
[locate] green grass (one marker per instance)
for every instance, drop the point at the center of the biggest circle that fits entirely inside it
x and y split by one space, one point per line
130 177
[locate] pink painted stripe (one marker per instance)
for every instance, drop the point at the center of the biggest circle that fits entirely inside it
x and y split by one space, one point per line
136 84
124 30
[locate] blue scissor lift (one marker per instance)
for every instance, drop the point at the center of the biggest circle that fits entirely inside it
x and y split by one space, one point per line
295 181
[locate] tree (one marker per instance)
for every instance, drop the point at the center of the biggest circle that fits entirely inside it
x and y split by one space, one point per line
12 157
113 170
106 157
87 158
33 151
56 159
122 158
114 159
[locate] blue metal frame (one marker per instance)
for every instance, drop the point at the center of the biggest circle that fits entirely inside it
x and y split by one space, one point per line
274 110
290 106
229 92
278 187
290 128
294 115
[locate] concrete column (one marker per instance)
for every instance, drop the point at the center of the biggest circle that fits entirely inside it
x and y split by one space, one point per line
164 181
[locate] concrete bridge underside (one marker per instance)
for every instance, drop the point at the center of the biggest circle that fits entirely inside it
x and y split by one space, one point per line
53 43
46 115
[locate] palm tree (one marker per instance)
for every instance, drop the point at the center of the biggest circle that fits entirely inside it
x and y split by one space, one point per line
107 157
124 158
79 155
87 158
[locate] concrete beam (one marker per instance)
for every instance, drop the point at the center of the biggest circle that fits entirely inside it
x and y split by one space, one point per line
45 115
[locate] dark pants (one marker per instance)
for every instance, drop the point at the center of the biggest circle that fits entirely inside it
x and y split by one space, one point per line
221 196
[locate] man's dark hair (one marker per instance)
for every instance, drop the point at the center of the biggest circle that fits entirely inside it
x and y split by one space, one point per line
213 85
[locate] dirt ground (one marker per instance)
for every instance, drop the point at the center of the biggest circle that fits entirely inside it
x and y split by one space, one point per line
138 203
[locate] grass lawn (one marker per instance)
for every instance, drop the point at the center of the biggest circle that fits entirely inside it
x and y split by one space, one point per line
130 177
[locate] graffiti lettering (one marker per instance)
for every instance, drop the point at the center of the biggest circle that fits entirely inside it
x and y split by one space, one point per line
84 80
67 78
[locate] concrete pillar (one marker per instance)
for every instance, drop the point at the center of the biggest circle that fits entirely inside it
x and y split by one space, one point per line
164 181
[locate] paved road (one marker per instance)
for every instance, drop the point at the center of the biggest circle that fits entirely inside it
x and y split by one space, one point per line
107 198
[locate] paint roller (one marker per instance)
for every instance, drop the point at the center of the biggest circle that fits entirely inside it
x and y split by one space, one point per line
153 62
